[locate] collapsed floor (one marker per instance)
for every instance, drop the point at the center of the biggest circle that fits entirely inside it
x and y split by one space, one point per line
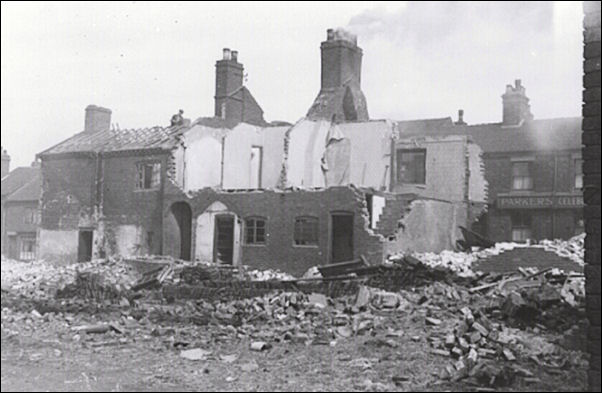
519 330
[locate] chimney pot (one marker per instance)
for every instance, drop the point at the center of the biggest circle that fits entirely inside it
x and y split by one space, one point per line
330 34
227 54
234 54
516 107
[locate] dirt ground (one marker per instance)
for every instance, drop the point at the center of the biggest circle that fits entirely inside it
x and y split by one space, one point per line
44 353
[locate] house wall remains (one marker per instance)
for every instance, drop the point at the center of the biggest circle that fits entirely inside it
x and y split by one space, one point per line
279 208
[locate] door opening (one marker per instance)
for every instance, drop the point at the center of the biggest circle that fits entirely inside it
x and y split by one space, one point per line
183 214
84 248
342 237
224 239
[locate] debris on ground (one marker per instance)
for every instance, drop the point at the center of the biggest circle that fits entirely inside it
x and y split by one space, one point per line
489 329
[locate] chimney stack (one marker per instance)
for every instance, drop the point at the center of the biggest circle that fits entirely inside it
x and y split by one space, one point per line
341 59
228 79
460 121
340 86
97 119
516 108
5 162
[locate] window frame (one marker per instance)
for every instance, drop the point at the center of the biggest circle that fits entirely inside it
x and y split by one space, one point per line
399 152
315 231
521 221
27 255
529 176
577 163
254 220
155 178
30 217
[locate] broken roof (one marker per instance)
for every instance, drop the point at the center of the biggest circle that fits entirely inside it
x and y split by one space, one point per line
534 135
22 178
118 140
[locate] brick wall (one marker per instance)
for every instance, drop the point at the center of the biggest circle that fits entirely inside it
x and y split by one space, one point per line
15 213
78 188
498 172
280 210
123 204
68 191
591 170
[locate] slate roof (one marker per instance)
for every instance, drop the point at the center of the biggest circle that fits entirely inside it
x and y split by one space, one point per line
534 135
118 140
17 178
30 191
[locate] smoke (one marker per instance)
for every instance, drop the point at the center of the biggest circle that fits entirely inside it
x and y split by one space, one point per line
425 23
437 57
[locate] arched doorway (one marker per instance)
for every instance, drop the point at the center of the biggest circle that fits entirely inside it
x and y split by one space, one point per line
182 213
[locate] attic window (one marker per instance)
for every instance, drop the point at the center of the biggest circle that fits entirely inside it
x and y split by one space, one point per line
148 175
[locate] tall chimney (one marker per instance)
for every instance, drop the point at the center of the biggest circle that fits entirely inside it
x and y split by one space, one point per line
516 108
97 119
5 162
341 59
340 84
228 79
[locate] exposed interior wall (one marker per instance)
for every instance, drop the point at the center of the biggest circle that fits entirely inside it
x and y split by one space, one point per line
445 168
58 246
201 157
477 184
237 155
370 153
378 203
306 146
430 226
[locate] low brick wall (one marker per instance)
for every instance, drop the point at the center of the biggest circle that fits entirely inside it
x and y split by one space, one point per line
231 290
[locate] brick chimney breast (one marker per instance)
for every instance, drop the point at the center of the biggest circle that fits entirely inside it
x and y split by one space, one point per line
228 79
340 87
516 108
97 119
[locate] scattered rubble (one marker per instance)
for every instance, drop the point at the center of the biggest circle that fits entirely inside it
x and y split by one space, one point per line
486 325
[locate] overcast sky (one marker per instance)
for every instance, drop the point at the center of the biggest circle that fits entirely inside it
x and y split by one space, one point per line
145 61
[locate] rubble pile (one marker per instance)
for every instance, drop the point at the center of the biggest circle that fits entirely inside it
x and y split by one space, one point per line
572 248
97 280
202 271
488 325
462 262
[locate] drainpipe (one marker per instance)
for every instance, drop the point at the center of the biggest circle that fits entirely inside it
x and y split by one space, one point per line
221 175
554 185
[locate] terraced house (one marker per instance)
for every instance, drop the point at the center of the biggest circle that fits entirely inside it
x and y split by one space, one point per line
21 189
234 188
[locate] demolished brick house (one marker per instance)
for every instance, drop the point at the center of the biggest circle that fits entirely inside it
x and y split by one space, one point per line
332 187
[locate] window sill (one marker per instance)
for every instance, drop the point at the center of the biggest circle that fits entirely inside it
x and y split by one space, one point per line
306 245
147 189
255 245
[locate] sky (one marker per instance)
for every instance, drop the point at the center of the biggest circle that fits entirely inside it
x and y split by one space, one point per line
145 61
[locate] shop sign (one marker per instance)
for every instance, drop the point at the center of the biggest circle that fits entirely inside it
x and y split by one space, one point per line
540 202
